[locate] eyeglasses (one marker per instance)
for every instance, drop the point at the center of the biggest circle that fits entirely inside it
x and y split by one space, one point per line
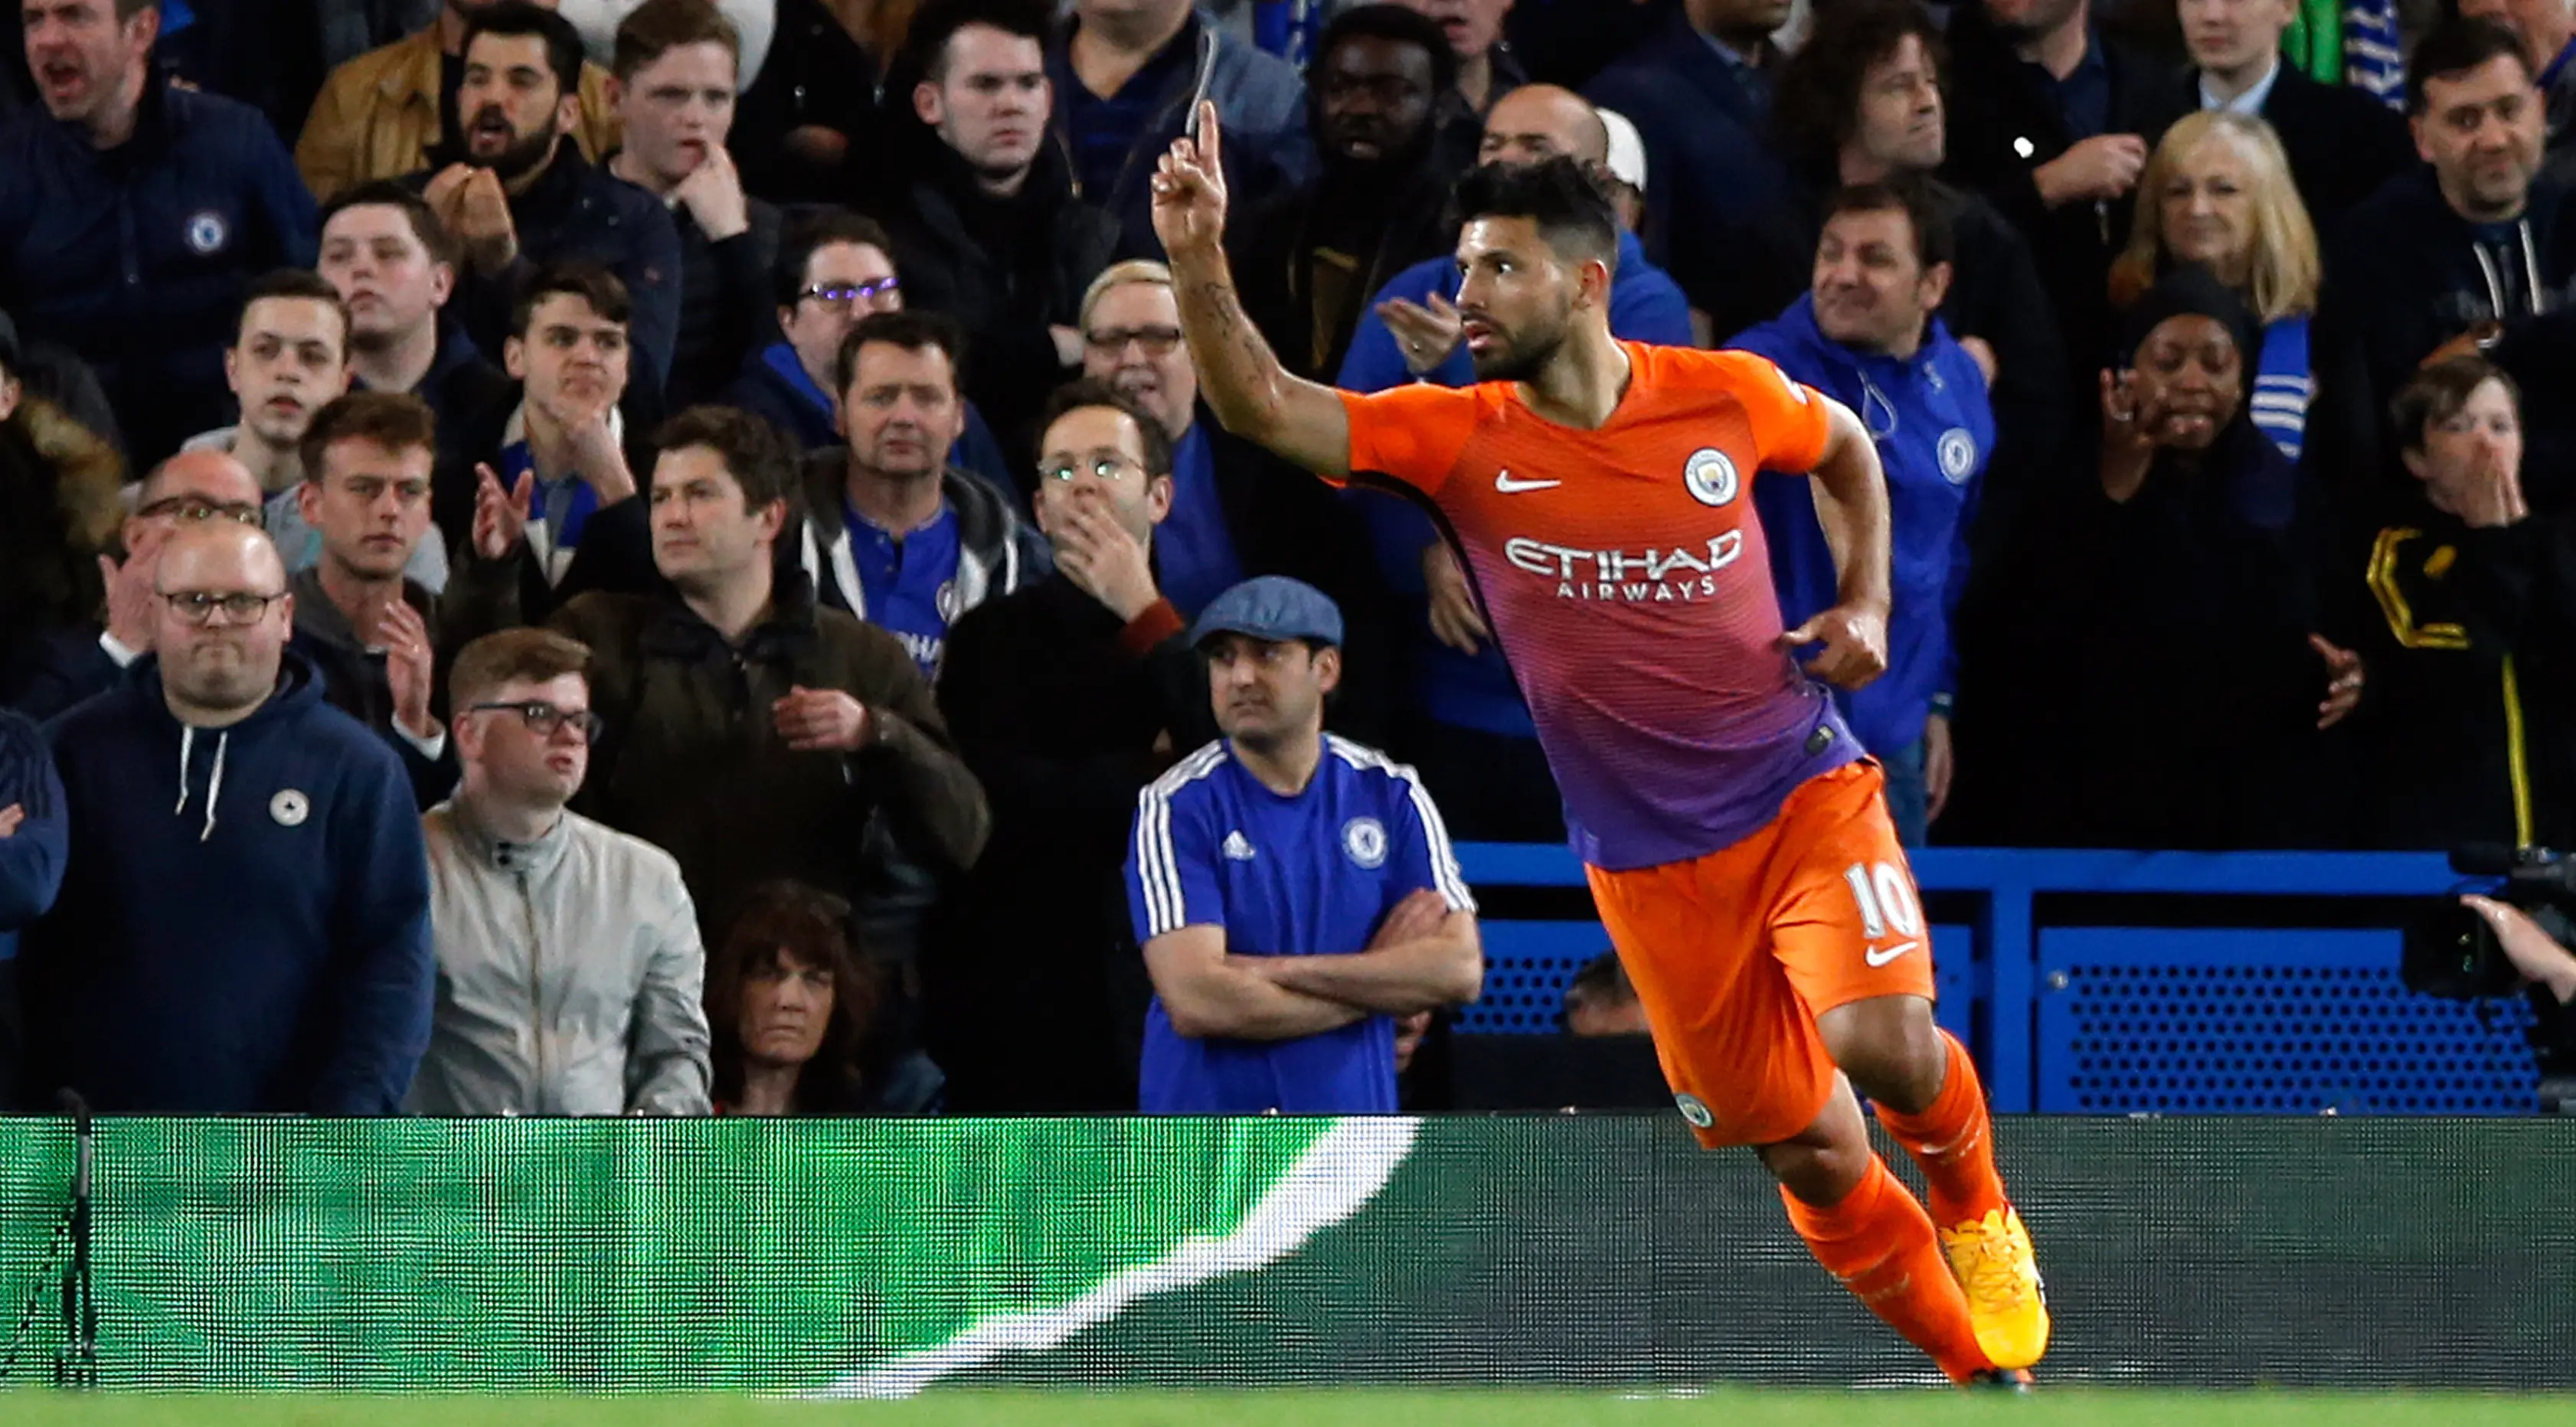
843 294
543 719
198 508
1157 341
1111 468
199 606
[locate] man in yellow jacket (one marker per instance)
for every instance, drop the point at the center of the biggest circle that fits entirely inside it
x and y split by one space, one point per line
388 112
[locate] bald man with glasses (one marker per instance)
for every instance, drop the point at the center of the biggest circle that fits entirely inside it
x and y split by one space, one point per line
244 922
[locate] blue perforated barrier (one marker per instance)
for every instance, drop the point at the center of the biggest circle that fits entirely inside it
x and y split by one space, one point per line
2068 1014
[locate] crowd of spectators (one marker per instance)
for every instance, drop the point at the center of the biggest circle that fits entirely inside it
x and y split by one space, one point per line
598 557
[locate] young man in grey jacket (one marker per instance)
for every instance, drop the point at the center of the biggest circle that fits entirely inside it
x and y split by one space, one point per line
570 969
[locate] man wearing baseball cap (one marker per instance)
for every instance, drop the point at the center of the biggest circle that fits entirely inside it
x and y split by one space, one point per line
1293 891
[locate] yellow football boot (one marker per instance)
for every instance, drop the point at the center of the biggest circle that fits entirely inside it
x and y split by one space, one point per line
2000 1276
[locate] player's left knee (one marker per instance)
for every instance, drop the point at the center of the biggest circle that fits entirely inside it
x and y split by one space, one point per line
1891 1048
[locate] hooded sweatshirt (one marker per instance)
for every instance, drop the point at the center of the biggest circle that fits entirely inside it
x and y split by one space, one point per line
997 551
1929 418
244 926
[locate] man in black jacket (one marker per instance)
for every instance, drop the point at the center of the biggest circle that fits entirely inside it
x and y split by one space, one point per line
672 79
1066 699
394 265
2342 142
1311 259
564 452
987 225
2053 120
520 197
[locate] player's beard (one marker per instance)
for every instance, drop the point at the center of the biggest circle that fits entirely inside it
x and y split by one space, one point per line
1521 356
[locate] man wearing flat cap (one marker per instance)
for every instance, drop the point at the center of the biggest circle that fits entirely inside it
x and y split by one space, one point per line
1294 892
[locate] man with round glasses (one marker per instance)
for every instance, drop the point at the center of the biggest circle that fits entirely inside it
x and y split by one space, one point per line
570 967
244 923
1066 698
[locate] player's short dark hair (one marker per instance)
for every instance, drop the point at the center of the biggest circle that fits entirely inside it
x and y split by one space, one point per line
294 284
1559 194
752 451
1934 239
594 285
387 193
2453 47
512 656
517 19
2438 392
393 420
1090 392
1817 105
128 9
936 23
814 232
1601 982
911 330
1396 24
657 27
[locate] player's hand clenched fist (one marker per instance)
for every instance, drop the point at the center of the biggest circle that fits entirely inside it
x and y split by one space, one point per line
1189 191
1855 644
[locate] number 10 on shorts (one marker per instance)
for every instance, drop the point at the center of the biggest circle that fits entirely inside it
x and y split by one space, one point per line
1885 894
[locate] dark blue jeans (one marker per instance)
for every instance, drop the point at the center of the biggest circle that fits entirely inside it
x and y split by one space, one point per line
1908 800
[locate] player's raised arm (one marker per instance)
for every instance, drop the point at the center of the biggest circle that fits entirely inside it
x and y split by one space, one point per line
1241 378
1851 505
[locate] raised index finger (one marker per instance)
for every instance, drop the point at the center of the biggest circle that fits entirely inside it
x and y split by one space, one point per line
1211 150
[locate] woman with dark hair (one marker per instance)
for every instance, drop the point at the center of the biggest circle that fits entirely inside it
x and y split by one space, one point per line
795 1013
2193 685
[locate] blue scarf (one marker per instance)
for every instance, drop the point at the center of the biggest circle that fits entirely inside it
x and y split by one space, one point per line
2283 384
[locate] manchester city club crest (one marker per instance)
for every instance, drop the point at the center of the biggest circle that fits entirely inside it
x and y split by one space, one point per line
1710 476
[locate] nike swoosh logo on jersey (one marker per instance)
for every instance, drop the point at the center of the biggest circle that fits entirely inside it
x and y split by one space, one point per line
1503 482
1876 957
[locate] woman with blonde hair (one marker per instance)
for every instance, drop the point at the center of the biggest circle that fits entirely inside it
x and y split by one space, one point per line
2217 192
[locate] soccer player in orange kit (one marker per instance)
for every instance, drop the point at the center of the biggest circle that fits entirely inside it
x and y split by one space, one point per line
1734 834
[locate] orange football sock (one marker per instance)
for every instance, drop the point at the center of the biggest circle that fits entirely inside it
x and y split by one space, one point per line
1953 1143
1880 1243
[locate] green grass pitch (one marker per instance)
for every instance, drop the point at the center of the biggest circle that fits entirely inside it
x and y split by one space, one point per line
2063 1408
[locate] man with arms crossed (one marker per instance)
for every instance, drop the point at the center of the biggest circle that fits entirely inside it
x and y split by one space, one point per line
1294 892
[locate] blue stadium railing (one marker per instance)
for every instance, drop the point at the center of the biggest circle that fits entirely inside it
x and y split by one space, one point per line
2261 983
